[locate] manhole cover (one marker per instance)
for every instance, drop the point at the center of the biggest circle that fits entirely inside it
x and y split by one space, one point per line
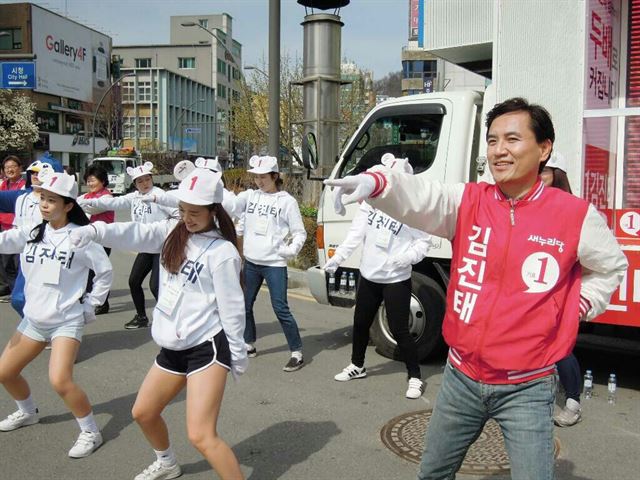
404 436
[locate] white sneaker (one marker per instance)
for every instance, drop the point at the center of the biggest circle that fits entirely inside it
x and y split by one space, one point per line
159 471
569 415
351 372
18 419
415 389
251 350
86 444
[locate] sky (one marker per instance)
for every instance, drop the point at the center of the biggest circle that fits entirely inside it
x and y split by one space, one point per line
373 35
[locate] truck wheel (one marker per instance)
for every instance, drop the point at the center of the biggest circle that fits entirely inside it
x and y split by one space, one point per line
425 321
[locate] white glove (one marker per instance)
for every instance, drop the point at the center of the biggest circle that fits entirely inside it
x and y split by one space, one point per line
287 251
356 188
239 366
332 265
149 198
88 205
83 236
89 313
401 260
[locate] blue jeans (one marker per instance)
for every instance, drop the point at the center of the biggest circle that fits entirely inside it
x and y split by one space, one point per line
524 412
276 278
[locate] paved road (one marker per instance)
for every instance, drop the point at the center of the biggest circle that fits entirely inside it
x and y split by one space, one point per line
300 425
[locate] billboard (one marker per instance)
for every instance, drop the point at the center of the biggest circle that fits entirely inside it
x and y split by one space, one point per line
414 19
72 60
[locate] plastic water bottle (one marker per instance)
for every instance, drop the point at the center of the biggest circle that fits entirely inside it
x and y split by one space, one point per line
332 283
343 284
352 282
588 384
611 388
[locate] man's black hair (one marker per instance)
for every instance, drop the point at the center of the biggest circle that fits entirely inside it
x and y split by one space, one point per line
540 120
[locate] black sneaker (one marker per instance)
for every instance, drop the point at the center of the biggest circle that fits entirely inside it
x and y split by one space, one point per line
102 309
294 364
139 321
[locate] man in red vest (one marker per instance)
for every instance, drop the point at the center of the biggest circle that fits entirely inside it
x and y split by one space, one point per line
529 262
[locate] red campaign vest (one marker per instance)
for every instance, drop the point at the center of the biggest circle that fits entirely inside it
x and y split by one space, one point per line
514 292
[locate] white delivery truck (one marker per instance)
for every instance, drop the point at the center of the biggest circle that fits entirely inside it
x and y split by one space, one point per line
116 163
586 73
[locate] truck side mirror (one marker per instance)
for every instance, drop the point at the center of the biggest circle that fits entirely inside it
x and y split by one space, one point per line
309 151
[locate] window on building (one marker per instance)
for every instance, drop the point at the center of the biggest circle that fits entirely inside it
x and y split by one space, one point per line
144 127
221 66
128 92
204 22
222 91
73 124
11 39
129 127
144 91
235 74
186 62
47 121
143 63
229 72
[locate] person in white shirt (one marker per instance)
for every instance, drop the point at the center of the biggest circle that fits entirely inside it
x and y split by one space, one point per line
390 249
162 198
143 212
56 307
272 230
198 320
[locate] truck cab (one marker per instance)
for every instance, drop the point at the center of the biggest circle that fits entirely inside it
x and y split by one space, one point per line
116 163
439 133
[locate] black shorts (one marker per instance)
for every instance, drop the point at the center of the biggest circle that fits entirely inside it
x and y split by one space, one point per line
198 358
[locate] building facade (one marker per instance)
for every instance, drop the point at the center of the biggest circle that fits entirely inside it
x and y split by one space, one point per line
204 52
165 111
73 72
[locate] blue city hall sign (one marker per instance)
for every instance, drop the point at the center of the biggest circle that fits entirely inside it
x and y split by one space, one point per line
18 75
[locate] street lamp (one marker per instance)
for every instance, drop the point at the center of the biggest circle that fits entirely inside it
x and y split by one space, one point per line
253 67
173 130
95 114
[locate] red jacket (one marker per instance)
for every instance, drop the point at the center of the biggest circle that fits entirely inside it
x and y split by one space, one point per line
522 272
108 216
505 250
6 219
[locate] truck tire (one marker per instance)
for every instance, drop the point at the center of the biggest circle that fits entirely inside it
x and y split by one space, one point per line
425 322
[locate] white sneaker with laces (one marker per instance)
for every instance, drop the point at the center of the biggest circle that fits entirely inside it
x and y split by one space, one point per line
569 415
159 471
86 444
351 372
415 388
18 419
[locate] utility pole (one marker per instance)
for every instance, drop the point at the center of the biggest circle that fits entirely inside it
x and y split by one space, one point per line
274 78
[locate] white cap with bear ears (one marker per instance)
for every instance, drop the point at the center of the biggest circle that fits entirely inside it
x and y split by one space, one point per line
144 169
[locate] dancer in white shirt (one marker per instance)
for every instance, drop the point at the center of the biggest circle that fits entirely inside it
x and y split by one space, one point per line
142 212
198 321
390 249
56 308
272 231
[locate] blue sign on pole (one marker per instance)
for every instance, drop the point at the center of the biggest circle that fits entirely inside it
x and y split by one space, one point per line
18 75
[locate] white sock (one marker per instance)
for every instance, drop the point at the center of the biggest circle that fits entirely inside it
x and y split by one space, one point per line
27 405
88 424
297 354
167 457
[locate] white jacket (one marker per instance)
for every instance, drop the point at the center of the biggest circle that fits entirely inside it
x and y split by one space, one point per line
51 305
266 222
383 239
212 299
27 211
143 212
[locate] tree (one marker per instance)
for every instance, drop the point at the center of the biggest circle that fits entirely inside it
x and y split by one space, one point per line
390 84
18 130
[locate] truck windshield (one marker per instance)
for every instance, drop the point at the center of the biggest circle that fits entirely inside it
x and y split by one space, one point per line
113 167
413 136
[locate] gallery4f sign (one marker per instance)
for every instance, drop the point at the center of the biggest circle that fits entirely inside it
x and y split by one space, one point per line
18 75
